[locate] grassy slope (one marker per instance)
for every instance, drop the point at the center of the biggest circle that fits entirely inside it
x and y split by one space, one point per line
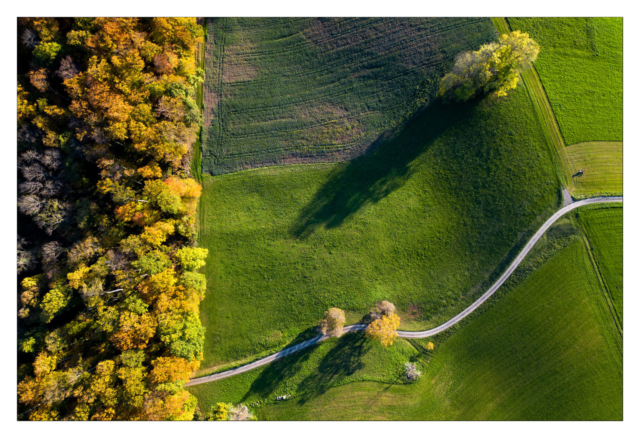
421 221
547 350
603 228
580 64
288 90
311 372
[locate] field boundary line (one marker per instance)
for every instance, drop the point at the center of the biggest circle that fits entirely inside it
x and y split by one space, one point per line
426 333
608 297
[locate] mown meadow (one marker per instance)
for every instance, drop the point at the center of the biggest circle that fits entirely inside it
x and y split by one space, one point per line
292 90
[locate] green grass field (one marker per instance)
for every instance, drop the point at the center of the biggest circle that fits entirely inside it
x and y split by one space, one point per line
292 90
591 114
427 219
544 348
603 228
422 221
311 372
602 166
547 350
580 65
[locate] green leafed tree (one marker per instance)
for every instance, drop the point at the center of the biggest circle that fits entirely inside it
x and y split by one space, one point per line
191 258
493 69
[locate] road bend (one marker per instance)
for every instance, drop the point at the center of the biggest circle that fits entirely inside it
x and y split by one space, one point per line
426 333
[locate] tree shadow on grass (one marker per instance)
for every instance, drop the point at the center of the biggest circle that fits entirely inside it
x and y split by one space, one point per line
284 368
342 361
373 176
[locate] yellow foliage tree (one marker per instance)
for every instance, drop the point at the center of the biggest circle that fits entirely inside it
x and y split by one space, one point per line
491 69
171 369
384 329
134 331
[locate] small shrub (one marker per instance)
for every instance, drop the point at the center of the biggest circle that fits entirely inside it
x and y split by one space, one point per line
411 372
240 413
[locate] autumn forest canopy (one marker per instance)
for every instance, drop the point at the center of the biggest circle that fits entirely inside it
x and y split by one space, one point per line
109 294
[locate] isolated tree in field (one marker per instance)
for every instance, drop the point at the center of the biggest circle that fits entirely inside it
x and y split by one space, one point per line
430 346
492 69
386 308
384 329
333 322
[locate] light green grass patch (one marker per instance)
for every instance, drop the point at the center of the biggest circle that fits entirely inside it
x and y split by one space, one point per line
601 163
580 65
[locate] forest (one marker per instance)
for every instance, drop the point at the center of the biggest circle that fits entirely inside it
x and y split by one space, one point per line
109 293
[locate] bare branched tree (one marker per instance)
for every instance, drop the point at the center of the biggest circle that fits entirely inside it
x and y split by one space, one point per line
28 157
34 172
117 260
51 158
83 251
29 134
31 187
51 188
67 68
51 251
29 39
30 204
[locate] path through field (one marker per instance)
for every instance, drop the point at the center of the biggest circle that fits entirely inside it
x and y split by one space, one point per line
426 333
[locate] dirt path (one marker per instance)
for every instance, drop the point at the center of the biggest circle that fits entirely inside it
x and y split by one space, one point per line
425 333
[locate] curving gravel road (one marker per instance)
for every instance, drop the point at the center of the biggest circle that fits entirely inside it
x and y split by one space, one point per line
426 333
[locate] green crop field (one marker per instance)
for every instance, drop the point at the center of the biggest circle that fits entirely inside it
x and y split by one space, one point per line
603 228
422 221
292 90
580 65
547 350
